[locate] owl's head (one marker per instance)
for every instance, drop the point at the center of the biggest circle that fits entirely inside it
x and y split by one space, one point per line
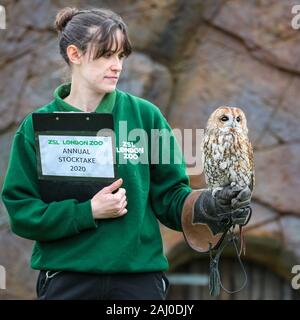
228 119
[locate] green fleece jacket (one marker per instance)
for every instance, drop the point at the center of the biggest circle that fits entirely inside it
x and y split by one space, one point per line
67 237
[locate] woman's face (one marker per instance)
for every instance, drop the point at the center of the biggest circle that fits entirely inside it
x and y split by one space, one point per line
102 75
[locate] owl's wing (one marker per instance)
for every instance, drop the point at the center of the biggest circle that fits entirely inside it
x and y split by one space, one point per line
250 155
204 150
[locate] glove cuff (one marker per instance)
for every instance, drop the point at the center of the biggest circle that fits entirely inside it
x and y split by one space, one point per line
198 235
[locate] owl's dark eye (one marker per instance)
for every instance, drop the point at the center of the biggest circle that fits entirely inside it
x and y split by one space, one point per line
238 119
224 118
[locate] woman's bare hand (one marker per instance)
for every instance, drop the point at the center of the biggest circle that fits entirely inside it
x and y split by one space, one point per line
106 204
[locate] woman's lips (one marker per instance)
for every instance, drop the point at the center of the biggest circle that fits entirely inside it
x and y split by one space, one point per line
111 78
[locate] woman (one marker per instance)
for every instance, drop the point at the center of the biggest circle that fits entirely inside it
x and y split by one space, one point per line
108 247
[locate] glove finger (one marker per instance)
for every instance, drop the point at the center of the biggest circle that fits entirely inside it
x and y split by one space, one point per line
241 212
241 216
238 214
224 202
228 192
237 204
244 194
224 209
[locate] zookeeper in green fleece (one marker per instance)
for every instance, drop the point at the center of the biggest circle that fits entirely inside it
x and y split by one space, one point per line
110 246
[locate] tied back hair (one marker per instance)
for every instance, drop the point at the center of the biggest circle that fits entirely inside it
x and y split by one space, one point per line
91 28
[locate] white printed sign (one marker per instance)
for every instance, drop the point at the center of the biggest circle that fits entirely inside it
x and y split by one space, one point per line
76 156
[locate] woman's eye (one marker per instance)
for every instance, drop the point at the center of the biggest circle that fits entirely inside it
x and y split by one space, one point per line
121 56
107 55
238 119
224 118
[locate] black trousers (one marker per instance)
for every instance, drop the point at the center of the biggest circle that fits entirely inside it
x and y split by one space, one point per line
65 285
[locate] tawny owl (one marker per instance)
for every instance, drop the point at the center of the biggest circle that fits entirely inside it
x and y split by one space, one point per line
228 154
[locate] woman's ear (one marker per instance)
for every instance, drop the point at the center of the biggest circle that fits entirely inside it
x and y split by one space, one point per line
74 54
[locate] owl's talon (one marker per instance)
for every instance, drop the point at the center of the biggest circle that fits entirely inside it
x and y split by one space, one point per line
215 190
237 188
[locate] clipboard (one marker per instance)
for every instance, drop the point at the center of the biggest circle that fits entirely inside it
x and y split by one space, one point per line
75 154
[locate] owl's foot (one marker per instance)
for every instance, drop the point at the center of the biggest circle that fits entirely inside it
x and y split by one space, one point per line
235 186
215 190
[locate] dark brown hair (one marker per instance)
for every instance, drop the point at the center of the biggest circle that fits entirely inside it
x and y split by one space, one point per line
95 27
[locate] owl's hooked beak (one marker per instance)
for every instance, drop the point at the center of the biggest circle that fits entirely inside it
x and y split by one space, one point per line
233 127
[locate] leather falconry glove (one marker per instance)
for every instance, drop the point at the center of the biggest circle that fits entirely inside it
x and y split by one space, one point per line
205 217
223 209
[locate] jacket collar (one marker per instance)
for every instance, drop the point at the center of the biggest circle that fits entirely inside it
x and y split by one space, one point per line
105 106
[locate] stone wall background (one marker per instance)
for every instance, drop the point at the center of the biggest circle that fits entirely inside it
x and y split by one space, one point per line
190 57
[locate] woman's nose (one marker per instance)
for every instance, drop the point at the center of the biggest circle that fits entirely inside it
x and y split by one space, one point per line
117 65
